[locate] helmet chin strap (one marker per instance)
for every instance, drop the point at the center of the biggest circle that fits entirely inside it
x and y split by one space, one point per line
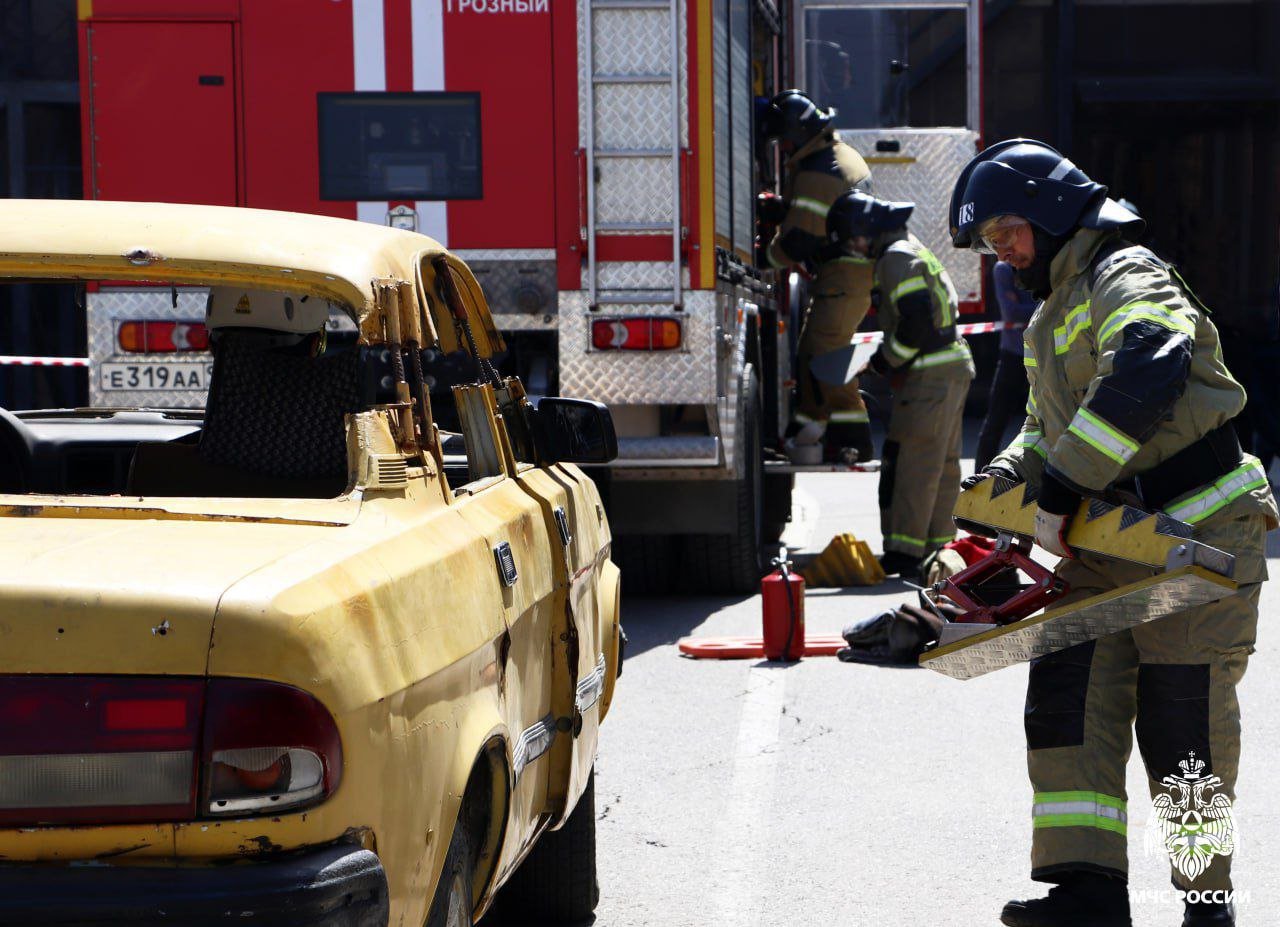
1035 277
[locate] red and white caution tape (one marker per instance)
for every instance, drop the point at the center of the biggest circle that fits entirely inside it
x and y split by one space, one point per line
972 328
20 361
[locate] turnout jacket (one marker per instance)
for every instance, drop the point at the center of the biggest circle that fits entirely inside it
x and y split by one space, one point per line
916 306
1126 370
817 174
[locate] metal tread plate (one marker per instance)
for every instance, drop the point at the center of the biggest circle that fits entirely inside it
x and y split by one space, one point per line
925 163
1057 629
784 466
1118 531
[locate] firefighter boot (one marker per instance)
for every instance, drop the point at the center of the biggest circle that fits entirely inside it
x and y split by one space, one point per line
1081 898
904 565
1209 914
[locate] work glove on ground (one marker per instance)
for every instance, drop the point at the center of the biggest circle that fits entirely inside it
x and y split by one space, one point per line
1057 504
975 478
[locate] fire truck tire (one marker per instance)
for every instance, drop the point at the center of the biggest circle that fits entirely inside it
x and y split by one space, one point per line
645 561
556 883
777 504
732 563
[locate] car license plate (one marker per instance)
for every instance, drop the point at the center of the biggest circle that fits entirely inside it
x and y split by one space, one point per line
158 376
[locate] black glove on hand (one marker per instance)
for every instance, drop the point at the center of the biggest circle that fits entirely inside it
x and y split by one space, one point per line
1057 503
974 479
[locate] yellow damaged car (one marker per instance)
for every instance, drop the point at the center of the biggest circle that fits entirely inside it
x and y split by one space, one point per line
307 656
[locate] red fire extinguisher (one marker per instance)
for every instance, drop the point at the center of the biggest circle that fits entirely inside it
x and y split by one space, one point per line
783 594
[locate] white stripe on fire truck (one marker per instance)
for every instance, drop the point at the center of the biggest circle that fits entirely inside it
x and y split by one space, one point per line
370 49
428 74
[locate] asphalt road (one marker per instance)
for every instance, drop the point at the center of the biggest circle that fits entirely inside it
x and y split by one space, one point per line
821 793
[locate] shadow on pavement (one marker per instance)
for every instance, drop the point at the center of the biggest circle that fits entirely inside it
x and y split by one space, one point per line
660 620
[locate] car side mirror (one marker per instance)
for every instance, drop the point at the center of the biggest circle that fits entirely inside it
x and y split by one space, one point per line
575 431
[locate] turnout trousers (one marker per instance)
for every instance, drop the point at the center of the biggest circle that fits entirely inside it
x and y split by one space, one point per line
1174 679
841 298
920 465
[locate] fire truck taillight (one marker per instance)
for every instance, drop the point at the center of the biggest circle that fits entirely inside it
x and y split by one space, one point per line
148 337
639 333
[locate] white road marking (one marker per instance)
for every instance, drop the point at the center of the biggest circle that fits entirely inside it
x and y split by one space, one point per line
740 845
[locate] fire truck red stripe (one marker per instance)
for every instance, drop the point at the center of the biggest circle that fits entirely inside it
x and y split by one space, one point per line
397 24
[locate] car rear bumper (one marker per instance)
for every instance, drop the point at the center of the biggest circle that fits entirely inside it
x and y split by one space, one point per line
334 886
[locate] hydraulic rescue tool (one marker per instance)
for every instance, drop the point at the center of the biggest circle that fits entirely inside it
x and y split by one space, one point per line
1001 593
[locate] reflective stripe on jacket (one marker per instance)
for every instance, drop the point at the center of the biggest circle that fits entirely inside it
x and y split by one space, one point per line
817 174
917 308
1125 371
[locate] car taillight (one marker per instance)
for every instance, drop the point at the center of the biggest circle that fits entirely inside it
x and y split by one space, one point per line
98 749
639 333
267 747
150 337
109 749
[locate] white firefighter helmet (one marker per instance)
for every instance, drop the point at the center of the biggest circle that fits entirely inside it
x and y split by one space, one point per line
238 307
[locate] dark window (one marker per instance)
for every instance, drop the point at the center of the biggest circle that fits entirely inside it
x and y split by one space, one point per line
883 67
400 146
53 150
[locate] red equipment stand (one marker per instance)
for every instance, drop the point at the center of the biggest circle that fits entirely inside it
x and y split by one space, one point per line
1010 556
742 648
782 598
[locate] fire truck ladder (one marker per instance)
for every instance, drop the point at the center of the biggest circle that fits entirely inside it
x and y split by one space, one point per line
630 164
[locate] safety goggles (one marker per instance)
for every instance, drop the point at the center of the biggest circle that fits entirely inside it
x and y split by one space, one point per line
998 233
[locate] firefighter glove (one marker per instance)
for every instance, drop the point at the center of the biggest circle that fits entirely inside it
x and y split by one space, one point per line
1058 502
975 478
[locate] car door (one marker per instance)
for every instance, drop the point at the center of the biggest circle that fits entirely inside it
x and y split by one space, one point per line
571 507
512 523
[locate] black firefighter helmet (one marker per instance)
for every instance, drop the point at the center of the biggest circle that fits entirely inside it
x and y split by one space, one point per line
857 213
792 117
1023 177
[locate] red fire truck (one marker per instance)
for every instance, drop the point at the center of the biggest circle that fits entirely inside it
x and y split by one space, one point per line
592 160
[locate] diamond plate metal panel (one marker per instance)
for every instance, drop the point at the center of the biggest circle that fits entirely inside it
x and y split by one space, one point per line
686 376
634 116
519 287
505 254
621 37
638 275
107 307
923 171
670 447
1095 617
634 190
633 41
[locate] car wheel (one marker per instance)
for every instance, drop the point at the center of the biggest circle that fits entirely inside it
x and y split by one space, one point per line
452 904
556 883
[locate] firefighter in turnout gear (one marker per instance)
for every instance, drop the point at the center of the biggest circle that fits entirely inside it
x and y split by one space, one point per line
820 168
1129 400
929 368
